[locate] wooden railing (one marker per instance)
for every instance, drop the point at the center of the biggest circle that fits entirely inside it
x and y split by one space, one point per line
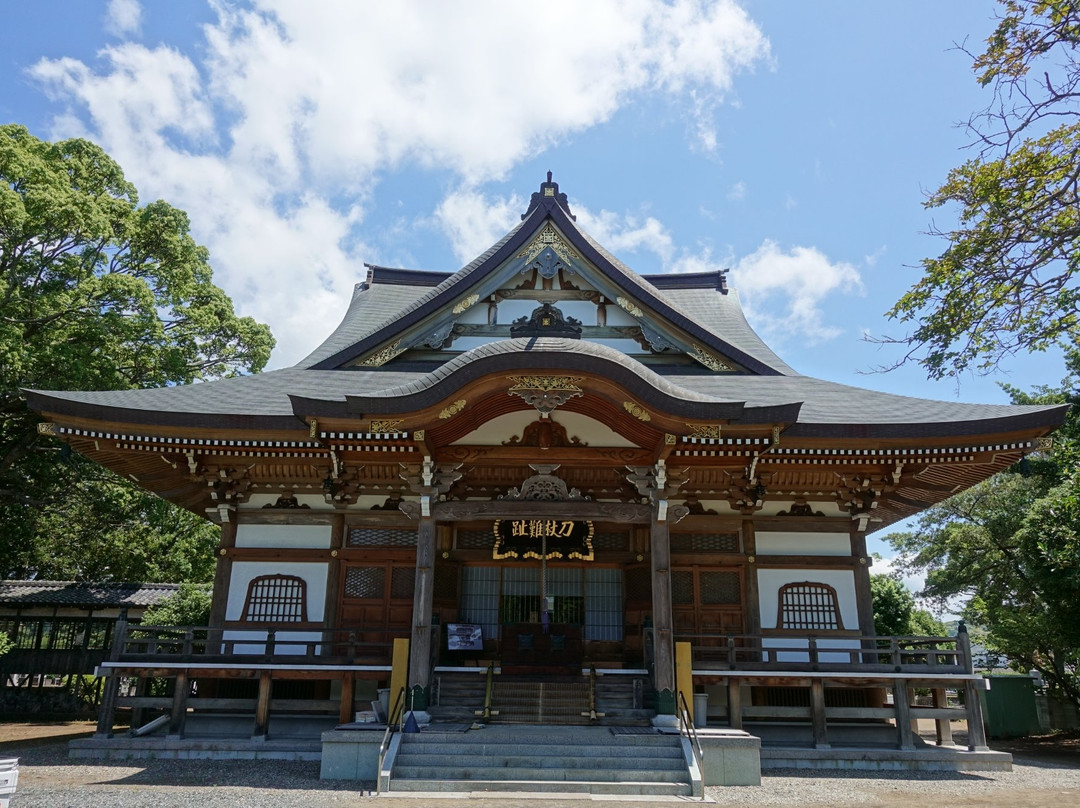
243 645
926 656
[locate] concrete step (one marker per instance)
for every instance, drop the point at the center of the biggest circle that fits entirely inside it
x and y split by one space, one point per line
547 786
613 756
530 774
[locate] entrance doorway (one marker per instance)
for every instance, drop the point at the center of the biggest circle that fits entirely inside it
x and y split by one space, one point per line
584 605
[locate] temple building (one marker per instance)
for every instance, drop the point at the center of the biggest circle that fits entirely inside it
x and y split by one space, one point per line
542 467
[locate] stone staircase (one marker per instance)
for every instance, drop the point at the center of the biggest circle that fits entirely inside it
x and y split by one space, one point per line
517 758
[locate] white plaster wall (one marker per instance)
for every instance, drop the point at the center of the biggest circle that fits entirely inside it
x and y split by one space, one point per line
503 427
798 543
300 536
313 573
843 581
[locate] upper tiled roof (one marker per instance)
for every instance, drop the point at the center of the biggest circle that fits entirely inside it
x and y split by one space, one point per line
395 298
74 593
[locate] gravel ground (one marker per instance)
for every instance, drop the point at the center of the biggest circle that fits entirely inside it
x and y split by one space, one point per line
48 779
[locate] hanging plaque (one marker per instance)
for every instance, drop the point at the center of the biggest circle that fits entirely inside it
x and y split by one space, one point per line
543 538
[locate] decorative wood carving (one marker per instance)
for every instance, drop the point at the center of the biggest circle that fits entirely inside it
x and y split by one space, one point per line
546 320
453 409
638 412
619 512
548 239
286 500
383 356
465 303
544 433
386 426
709 360
704 431
629 307
543 486
545 393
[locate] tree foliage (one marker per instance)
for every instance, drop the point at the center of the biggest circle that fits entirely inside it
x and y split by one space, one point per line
896 613
1007 280
96 292
188 606
1011 547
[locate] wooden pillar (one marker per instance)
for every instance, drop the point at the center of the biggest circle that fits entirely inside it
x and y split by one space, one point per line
734 702
905 739
817 714
345 710
111 689
262 707
332 603
219 600
863 597
753 601
944 726
178 714
663 621
423 594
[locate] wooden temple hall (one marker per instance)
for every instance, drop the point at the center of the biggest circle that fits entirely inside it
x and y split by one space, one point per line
544 489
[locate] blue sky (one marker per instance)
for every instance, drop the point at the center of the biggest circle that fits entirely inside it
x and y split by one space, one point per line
791 142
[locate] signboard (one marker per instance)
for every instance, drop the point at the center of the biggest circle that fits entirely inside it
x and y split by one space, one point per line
543 538
464 637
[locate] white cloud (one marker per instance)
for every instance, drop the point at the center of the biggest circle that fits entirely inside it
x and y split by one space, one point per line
291 106
629 233
473 224
783 291
737 193
123 17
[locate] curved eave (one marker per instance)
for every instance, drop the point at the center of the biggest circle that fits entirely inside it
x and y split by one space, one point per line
1040 421
554 355
55 404
462 282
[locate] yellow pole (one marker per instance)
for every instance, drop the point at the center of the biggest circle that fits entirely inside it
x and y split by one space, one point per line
684 677
399 676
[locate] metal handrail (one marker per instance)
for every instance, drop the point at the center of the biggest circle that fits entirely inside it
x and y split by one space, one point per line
686 725
489 688
391 725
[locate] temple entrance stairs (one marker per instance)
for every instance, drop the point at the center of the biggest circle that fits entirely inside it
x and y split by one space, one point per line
517 758
559 700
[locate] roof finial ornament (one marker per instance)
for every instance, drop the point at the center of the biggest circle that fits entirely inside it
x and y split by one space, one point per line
548 197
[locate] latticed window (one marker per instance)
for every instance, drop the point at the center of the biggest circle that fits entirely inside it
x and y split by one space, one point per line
720 588
365 582
402 582
276 599
638 584
475 539
809 606
619 542
682 587
381 537
704 542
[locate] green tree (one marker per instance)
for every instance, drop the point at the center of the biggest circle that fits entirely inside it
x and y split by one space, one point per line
188 606
1010 547
896 613
96 292
1007 280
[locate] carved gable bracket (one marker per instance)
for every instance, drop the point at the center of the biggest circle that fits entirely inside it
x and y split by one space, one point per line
543 486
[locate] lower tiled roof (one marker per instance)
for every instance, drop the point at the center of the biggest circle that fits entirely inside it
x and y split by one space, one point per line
74 593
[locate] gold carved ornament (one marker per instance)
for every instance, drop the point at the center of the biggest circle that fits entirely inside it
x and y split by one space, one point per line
710 361
383 356
548 237
629 307
638 412
704 431
387 425
465 303
453 409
